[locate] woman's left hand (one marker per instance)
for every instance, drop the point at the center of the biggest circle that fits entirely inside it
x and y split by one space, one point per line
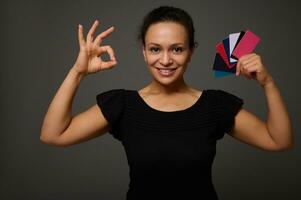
251 67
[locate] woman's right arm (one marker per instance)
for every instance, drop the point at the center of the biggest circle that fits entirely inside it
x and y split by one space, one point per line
59 127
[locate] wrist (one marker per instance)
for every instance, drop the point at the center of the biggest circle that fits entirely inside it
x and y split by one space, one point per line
76 74
269 84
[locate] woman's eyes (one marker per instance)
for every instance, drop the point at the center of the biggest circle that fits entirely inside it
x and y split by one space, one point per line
175 49
154 49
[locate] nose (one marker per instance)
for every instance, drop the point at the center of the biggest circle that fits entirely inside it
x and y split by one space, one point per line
165 59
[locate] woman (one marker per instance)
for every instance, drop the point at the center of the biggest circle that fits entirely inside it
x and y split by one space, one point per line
168 129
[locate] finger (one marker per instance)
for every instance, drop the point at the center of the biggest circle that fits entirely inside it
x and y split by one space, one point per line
107 49
81 39
249 61
92 31
252 69
108 64
247 74
100 37
246 58
242 71
251 64
238 68
247 64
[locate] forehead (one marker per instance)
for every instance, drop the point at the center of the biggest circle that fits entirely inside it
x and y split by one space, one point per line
166 32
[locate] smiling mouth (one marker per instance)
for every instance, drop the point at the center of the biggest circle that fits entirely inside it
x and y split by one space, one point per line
166 69
166 72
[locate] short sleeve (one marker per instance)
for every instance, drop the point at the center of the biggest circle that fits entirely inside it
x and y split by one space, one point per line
112 103
229 107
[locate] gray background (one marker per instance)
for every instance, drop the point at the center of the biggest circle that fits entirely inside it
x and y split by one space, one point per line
39 46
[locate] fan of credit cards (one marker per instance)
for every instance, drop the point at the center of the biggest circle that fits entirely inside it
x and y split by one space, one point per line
231 49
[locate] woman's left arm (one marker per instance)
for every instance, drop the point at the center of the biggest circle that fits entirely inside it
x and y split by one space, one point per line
276 133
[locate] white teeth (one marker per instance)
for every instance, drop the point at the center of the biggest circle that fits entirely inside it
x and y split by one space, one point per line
165 70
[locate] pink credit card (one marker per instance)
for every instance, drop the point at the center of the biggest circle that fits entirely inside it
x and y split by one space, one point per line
246 45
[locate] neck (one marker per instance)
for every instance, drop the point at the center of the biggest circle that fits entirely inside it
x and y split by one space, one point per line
176 87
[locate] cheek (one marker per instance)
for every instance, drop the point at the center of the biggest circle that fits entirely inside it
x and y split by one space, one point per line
182 60
151 60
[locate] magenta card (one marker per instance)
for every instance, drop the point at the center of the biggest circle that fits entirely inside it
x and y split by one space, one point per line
246 45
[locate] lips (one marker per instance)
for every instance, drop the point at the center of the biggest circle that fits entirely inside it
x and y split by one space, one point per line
166 68
166 71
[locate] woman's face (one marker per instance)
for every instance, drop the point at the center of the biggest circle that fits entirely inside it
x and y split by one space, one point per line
166 51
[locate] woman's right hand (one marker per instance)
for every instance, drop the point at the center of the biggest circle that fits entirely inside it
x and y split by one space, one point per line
89 58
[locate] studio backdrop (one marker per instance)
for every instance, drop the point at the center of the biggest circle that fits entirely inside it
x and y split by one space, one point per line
39 46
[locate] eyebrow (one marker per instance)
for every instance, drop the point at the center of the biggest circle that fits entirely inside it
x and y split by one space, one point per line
175 44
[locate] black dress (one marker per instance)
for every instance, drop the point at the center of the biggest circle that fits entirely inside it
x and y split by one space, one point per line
170 154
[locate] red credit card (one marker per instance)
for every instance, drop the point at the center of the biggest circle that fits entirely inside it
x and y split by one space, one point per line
221 50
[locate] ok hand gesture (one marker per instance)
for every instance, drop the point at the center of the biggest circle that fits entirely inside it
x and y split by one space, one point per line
89 58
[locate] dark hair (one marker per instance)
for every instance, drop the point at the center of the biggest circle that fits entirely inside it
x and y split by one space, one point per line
168 14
